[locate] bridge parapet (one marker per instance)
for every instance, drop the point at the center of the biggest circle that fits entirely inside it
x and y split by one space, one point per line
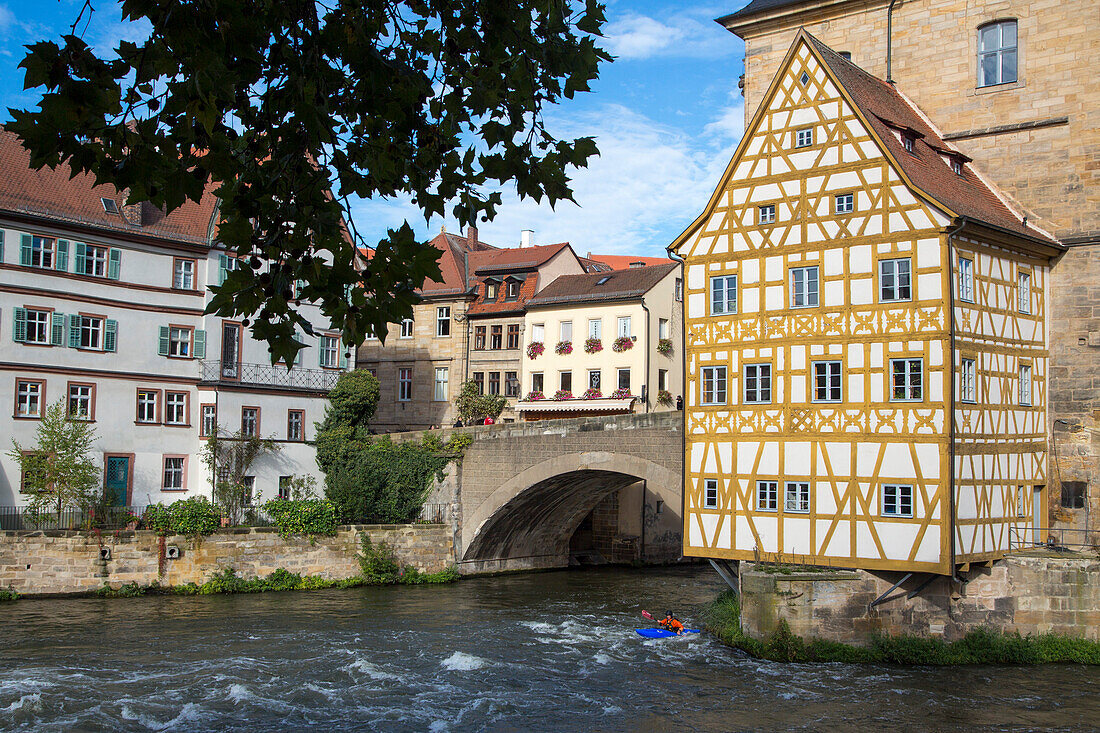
669 420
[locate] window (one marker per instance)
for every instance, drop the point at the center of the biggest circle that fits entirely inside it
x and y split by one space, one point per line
595 328
183 274
284 486
490 291
906 380
710 493
37 326
406 328
91 260
566 331
624 379
1073 494
1021 501
1023 291
827 381
758 383
479 338
175 408
595 376
796 496
209 424
513 335
29 398
662 380
81 401
443 320
91 332
231 354
767 496
512 292
897 500
907 143
494 382
662 328
441 376
538 333
147 405
844 203
248 489
966 279
329 352
1025 385
404 384
967 390
997 53
511 384
624 329
804 79
957 166
766 214
537 382
174 472
479 380
894 280
295 424
804 287
40 252
804 138
250 421
179 342
679 289
723 294
496 337
565 381
714 385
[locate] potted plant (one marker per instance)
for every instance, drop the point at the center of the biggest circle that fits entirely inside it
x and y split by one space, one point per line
664 397
563 348
534 349
622 393
592 394
534 395
664 347
563 394
623 343
593 345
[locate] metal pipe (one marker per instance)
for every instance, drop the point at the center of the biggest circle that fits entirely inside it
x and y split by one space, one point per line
889 41
683 384
645 372
951 391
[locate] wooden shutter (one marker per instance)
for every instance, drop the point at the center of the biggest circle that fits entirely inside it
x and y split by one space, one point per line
61 255
223 268
19 333
1 245
200 344
114 264
342 359
74 332
165 333
57 329
81 250
25 251
110 335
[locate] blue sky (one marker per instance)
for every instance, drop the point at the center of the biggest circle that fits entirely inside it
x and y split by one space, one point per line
666 115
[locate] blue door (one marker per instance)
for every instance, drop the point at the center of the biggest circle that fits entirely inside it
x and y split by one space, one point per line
117 483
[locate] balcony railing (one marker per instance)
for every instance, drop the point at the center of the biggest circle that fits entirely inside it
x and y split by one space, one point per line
267 375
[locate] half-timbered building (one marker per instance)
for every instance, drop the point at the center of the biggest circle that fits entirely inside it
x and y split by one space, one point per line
865 338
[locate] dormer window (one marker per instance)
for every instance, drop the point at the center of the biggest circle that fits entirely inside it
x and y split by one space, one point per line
907 143
957 166
490 291
512 292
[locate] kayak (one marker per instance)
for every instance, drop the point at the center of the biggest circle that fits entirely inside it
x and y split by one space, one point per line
662 633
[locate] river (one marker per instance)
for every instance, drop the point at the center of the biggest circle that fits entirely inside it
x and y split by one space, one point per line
547 651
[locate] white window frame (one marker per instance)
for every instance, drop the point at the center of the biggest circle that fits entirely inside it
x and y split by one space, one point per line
619 378
966 279
173 472
91 333
595 328
893 269
1023 291
443 320
723 294
767 495
844 203
404 384
714 385
406 328
442 375
45 249
38 319
538 382
147 406
209 424
295 425
1024 391
765 214
710 493
179 342
596 383
796 497
908 383
623 327
968 373
894 499
828 378
758 374
804 138
183 274
565 330
538 333
1021 502
329 352
95 260
175 408
805 290
998 52
82 394
250 421
26 393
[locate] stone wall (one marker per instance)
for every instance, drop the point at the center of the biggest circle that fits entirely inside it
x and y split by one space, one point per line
1030 594
56 562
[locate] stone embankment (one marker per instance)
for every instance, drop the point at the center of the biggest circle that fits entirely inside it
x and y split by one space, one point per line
1032 593
61 562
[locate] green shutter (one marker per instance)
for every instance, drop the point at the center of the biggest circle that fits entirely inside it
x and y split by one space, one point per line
57 329
342 360
25 251
200 343
1 245
19 333
114 264
321 351
61 258
81 254
164 336
110 335
74 332
223 268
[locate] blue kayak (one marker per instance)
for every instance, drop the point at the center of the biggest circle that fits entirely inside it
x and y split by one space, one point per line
662 633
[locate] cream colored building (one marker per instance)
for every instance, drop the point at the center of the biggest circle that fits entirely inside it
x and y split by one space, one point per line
602 332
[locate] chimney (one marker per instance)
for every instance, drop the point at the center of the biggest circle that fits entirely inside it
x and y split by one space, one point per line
527 238
132 213
471 237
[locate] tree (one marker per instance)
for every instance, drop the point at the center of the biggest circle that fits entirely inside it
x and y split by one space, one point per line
352 403
58 472
474 407
228 457
292 109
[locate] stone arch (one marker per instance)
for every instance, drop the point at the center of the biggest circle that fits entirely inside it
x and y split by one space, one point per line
528 520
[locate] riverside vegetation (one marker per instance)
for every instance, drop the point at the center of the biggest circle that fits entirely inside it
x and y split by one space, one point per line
981 646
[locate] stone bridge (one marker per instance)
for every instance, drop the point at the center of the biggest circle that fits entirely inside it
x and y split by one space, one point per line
538 494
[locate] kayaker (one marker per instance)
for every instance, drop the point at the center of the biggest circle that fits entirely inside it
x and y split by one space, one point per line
671 623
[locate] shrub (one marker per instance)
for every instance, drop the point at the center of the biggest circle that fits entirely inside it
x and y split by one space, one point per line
194 517
383 483
127 590
563 348
378 563
308 517
535 349
157 518
664 397
473 407
623 343
593 345
8 594
458 443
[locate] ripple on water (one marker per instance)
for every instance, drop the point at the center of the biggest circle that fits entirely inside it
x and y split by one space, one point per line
463 662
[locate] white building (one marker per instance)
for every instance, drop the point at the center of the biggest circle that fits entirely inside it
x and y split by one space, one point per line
101 305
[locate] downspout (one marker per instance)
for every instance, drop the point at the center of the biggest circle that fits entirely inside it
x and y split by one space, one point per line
951 277
889 42
683 389
645 385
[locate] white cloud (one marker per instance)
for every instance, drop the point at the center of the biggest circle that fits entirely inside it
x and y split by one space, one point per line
634 37
7 19
730 122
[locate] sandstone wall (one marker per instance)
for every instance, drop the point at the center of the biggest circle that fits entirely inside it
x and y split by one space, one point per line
1031 595
54 562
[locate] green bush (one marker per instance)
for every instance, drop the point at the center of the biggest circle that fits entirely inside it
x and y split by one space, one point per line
128 590
8 594
383 483
308 517
194 517
378 563
157 518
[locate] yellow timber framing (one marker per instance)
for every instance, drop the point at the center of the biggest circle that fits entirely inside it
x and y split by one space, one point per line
768 334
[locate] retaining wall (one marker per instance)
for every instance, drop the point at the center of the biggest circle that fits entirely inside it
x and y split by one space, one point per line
1029 594
58 562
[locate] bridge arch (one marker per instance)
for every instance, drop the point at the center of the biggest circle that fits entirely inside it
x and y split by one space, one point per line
528 520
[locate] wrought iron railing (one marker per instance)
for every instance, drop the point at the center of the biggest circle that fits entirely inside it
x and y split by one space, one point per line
115 517
1052 538
269 375
435 513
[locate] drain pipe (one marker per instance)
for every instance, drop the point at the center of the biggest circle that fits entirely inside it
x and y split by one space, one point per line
951 278
683 389
889 41
645 374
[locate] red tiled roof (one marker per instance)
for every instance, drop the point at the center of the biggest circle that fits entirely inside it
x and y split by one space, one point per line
623 262
500 306
633 282
513 260
54 195
884 107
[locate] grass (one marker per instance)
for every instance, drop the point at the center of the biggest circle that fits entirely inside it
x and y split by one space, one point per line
981 646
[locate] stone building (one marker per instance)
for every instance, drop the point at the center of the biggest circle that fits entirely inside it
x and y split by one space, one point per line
1010 84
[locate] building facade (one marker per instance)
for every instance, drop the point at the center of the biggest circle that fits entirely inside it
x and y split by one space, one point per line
102 308
608 333
866 339
1013 89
